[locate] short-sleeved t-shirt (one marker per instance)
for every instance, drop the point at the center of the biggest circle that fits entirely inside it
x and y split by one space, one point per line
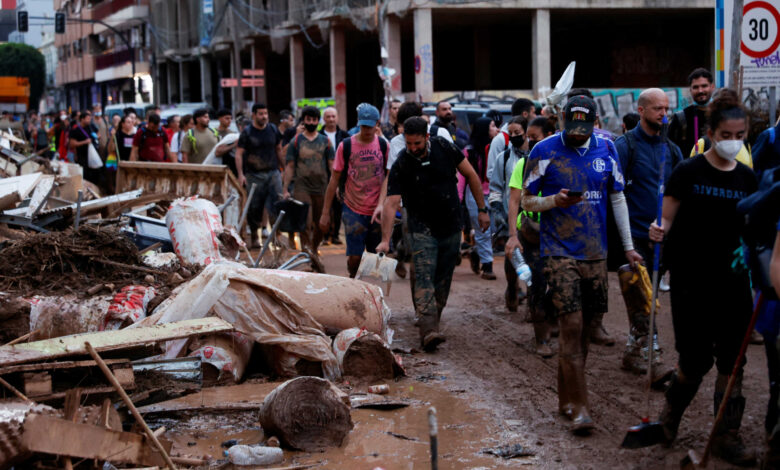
259 148
579 231
311 159
79 134
706 229
516 180
429 188
365 175
124 144
153 148
205 140
398 144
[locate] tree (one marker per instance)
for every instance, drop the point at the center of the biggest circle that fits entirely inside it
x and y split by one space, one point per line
22 60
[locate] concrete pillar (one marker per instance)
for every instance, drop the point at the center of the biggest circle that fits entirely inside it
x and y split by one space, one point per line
423 54
338 72
173 85
205 79
393 28
259 94
297 88
184 81
540 50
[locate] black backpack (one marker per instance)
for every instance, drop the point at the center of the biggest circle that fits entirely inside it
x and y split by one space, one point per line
346 152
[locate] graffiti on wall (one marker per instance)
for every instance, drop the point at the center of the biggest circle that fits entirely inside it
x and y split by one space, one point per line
614 103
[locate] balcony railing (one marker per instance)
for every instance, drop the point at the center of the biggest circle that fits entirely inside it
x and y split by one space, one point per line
113 59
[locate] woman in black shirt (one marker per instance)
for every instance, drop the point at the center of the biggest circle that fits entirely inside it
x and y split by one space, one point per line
711 301
122 141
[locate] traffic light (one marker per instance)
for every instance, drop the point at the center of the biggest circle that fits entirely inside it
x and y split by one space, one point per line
59 23
21 21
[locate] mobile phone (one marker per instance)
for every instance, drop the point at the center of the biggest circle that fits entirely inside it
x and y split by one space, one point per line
574 193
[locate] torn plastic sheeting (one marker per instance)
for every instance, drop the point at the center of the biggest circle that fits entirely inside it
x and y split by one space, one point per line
53 317
243 297
227 353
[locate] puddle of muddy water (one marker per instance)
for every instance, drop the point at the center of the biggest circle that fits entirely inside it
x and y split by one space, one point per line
395 439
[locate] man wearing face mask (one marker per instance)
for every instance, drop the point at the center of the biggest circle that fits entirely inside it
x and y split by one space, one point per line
576 172
690 124
641 150
309 163
424 177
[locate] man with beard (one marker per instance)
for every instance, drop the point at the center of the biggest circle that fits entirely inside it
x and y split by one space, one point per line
689 125
640 151
444 120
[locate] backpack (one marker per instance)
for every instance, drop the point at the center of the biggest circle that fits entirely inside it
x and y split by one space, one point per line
762 211
346 152
193 140
434 131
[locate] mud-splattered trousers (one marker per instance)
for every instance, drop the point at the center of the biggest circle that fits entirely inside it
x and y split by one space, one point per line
434 262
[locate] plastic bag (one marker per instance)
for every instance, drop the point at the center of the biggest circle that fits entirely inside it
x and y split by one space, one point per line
194 225
128 307
93 157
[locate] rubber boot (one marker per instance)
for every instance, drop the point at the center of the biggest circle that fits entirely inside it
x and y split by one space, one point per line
678 396
474 260
598 334
542 339
255 240
727 444
487 271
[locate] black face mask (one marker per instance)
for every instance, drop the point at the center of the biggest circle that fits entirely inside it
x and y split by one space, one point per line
517 141
531 144
310 127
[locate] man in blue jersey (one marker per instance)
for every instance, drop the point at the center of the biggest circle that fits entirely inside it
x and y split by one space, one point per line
576 171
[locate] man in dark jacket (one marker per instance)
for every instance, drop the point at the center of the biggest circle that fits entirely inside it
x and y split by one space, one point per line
688 125
641 150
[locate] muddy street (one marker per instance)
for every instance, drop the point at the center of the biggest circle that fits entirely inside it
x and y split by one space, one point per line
492 390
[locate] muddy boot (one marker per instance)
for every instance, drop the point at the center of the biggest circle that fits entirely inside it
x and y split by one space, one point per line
432 340
678 397
474 260
727 444
511 300
255 240
572 372
598 334
542 339
487 272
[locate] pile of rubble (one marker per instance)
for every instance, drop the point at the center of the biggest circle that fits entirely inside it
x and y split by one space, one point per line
121 317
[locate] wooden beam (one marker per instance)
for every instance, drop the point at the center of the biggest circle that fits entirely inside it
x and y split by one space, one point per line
109 340
51 435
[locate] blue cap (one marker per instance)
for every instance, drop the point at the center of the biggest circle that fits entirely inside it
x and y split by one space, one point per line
368 115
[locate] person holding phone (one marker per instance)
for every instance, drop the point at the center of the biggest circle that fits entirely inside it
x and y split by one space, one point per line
576 172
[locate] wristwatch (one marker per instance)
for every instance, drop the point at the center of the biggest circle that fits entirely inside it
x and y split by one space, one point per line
483 209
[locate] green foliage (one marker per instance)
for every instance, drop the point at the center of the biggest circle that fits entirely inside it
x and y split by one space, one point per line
23 60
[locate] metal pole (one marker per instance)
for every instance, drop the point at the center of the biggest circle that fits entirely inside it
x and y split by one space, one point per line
736 41
245 211
270 237
772 105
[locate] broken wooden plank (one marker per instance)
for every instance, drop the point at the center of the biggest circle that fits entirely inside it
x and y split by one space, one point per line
109 340
57 365
40 195
21 185
57 436
247 396
37 384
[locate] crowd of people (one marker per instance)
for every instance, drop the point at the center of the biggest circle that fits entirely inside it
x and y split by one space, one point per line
547 189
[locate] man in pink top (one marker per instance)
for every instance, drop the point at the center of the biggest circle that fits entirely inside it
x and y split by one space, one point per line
358 174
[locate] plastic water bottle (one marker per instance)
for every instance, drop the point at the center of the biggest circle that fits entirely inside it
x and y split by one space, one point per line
254 455
521 267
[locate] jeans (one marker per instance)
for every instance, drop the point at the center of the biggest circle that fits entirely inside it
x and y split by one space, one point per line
267 193
481 239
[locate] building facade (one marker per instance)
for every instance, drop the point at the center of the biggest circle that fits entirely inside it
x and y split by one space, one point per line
331 48
51 100
105 55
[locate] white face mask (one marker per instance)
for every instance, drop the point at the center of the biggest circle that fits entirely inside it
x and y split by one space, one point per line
728 149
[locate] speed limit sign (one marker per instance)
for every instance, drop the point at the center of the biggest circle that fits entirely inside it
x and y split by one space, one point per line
760 23
760 53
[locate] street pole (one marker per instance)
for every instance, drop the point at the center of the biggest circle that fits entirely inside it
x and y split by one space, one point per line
238 95
736 42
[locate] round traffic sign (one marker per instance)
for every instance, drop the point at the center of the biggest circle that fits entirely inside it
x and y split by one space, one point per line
760 25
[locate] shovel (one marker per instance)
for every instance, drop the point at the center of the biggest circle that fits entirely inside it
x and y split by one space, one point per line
377 265
694 459
649 433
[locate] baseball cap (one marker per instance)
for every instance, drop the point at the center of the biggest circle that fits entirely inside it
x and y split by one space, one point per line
368 115
580 114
